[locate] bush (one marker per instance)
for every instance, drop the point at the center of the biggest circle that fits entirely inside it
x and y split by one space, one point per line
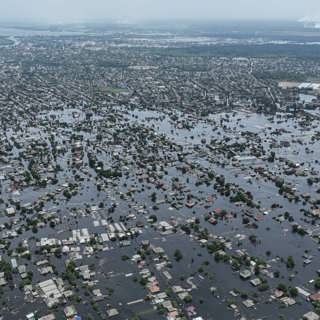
178 255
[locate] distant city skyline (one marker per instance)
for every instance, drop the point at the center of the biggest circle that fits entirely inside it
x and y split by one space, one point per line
63 11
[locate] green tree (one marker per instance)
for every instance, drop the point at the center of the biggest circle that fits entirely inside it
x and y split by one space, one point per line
290 262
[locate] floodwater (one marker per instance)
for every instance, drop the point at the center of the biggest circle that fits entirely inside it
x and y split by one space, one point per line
273 236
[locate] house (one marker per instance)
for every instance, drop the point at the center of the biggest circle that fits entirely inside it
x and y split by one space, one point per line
112 312
303 292
255 282
3 281
70 311
288 301
31 316
310 316
315 297
49 291
14 263
10 211
278 293
248 303
50 316
245 274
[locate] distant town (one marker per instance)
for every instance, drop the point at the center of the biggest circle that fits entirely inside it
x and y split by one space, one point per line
160 172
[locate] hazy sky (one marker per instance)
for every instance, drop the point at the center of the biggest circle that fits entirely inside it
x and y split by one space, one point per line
54 11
